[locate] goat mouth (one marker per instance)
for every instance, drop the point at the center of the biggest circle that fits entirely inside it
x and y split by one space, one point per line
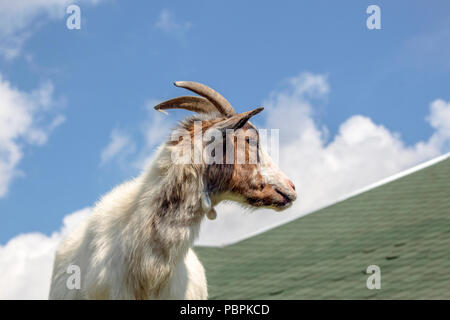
286 198
278 203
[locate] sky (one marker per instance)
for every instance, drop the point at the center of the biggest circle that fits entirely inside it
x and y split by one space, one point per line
353 105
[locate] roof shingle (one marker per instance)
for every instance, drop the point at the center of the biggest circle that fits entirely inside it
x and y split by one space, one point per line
402 226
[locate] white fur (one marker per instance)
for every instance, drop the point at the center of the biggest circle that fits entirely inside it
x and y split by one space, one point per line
101 247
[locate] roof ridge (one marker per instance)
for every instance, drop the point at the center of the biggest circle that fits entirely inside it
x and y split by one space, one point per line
369 187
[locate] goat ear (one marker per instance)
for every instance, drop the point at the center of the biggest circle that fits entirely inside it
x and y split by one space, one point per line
238 120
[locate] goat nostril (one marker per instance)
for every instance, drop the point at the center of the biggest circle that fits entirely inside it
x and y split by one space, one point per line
292 184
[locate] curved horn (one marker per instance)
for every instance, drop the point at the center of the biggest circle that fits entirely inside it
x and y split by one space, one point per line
222 105
191 103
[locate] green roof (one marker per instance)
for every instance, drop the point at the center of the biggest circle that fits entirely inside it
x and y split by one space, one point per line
402 226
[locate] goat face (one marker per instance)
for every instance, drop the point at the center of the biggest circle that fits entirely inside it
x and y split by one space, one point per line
243 171
262 183
249 175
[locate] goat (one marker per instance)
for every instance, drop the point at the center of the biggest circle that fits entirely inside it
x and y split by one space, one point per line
137 243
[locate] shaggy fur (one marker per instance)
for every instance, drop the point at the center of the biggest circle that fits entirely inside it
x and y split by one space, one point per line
137 244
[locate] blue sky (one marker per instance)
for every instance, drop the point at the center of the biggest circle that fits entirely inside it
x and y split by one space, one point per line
105 74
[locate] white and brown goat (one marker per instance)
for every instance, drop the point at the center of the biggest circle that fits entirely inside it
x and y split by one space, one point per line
137 244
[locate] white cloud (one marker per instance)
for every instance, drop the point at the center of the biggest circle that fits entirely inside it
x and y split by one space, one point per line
439 119
25 119
18 20
167 23
26 261
154 129
120 144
